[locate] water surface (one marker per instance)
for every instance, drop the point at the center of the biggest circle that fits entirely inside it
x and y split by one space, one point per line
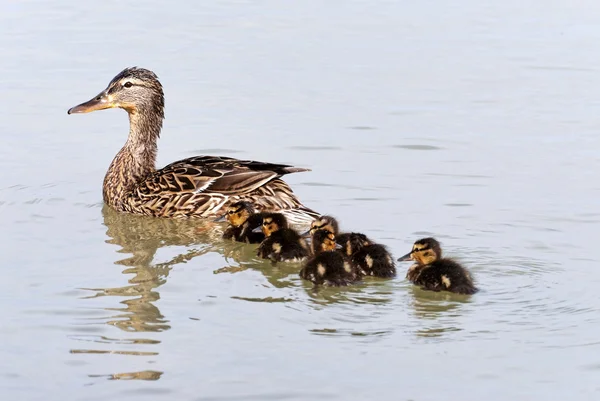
476 123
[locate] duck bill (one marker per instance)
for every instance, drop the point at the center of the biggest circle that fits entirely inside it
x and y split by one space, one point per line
100 102
406 257
257 229
305 234
338 246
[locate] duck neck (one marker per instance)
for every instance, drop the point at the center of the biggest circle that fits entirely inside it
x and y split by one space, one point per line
135 160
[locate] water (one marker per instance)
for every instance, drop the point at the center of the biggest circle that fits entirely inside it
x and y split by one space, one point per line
476 123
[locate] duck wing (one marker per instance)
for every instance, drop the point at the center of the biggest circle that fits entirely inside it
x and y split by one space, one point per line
202 185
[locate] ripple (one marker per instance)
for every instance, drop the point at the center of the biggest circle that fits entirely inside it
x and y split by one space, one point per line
266 299
271 396
350 332
417 147
362 128
93 351
107 340
311 148
152 375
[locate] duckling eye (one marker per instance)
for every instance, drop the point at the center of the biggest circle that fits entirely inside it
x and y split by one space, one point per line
230 212
127 84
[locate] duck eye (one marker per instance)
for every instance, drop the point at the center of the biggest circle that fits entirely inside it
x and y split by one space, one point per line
127 84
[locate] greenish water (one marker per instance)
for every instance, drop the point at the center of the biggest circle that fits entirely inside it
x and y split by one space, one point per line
476 123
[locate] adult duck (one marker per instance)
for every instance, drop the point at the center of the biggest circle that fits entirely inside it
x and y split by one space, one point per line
201 186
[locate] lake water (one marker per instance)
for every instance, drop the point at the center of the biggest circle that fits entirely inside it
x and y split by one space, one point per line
474 122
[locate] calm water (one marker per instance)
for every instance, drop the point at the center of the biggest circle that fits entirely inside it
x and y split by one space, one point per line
478 124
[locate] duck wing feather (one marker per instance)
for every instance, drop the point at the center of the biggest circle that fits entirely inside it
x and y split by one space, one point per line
202 185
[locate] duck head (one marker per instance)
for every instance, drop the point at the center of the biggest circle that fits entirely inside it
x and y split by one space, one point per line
323 241
424 251
327 223
134 89
355 242
238 213
273 222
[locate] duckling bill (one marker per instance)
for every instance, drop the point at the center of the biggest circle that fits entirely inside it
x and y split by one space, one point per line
282 244
243 220
433 272
328 266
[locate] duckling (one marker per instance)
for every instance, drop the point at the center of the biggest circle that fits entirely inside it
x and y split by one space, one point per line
434 273
329 223
243 220
328 266
371 259
282 244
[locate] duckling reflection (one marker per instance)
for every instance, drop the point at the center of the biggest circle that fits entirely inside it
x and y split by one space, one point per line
439 313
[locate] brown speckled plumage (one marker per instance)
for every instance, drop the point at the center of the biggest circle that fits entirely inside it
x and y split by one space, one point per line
195 187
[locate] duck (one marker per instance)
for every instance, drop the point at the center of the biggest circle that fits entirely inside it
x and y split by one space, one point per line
370 258
200 186
282 243
329 223
243 220
433 272
328 266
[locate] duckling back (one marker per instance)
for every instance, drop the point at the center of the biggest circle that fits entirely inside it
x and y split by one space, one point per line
369 258
284 245
374 260
444 275
329 268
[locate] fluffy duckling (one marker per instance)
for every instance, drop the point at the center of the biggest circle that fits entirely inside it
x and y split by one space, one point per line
282 244
242 222
434 273
371 259
329 223
328 266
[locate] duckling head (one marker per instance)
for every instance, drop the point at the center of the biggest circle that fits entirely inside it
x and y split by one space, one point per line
134 89
238 213
424 251
323 241
273 222
327 223
355 242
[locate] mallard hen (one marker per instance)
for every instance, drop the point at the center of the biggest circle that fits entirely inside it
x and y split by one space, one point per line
195 187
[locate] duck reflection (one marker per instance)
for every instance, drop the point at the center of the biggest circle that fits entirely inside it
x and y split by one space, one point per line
151 375
141 237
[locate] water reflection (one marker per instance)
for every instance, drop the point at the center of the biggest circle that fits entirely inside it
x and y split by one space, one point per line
437 312
141 237
142 375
